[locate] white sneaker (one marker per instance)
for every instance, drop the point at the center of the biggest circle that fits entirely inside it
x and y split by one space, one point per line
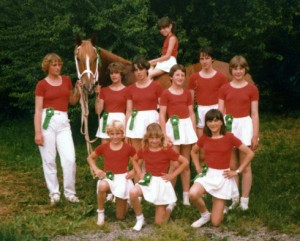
139 224
72 199
244 203
234 204
54 199
201 221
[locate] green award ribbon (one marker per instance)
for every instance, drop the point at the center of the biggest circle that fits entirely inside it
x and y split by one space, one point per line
105 117
110 175
133 115
146 180
202 173
228 122
49 114
175 121
195 107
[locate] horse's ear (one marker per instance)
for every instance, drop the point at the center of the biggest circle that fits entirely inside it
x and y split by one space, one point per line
94 39
78 39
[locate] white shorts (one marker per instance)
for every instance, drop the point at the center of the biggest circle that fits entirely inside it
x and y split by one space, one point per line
119 186
166 65
242 128
202 110
141 121
217 185
111 116
159 191
187 133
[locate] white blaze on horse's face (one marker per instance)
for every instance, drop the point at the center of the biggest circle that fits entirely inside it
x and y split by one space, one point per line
86 59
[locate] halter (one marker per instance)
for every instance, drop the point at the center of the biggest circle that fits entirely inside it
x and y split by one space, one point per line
87 70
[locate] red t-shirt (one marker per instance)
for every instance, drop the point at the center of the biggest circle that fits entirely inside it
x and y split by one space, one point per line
115 161
237 101
56 97
217 152
177 104
114 101
158 162
145 98
207 88
166 45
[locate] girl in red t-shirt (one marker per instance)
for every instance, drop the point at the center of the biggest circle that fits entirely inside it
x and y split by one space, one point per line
155 185
114 177
142 102
164 63
111 101
218 180
238 101
176 105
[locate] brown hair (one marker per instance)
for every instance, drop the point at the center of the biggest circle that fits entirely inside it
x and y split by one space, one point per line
117 67
153 130
207 51
50 59
238 60
175 68
211 115
166 22
140 63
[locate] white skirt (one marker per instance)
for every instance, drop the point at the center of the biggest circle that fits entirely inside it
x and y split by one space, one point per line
187 133
242 128
166 65
111 116
159 191
119 186
141 121
217 185
202 110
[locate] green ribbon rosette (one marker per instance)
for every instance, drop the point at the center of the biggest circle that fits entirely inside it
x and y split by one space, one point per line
228 122
146 180
133 115
175 121
195 107
110 175
105 117
202 173
49 114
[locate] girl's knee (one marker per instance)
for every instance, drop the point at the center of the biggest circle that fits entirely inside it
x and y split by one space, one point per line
193 194
133 192
216 222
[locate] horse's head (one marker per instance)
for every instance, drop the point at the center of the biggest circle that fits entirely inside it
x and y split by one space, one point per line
87 60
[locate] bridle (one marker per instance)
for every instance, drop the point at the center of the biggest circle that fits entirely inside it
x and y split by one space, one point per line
88 70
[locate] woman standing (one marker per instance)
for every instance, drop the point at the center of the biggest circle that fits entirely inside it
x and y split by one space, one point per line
52 127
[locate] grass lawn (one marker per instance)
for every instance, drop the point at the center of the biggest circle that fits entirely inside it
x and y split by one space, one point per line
25 213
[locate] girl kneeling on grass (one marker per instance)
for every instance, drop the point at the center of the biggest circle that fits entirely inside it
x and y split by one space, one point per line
217 179
155 185
115 176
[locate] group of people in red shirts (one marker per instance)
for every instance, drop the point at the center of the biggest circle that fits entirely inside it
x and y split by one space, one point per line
157 131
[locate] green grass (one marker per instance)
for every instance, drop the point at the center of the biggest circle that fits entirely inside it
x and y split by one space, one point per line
25 213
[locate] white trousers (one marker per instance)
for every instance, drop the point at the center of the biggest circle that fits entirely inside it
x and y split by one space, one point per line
58 137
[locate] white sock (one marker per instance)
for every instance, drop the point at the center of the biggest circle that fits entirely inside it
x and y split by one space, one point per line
244 203
139 222
100 220
205 214
186 200
171 206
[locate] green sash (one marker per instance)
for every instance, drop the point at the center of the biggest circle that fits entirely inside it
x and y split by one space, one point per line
228 122
110 175
175 121
202 173
133 115
196 112
105 117
146 180
49 114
